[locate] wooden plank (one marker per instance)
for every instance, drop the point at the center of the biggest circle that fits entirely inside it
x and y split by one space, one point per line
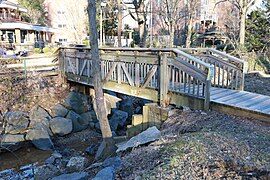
217 91
242 98
251 101
149 76
112 69
130 81
223 94
225 98
84 65
266 102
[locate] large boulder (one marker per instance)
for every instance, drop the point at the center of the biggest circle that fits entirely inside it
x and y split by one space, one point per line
118 119
76 102
12 142
127 105
59 111
76 163
73 176
149 135
90 116
17 122
40 137
61 126
107 173
78 123
39 115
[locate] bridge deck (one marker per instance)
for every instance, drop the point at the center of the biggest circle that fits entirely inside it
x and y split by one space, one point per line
241 99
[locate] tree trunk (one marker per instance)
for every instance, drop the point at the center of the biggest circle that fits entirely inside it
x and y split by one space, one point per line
107 148
171 30
189 25
242 26
119 27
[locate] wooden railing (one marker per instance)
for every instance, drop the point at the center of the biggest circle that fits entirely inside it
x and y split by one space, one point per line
229 71
166 71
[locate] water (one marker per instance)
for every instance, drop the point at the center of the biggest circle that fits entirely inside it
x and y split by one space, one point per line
22 157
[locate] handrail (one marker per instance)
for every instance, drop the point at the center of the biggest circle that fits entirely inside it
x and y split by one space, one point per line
169 68
175 50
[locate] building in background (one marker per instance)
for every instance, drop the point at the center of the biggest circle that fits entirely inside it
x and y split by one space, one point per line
69 18
16 33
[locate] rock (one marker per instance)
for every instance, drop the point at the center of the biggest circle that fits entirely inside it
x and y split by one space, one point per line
50 160
76 163
12 142
38 114
118 119
107 173
90 116
61 126
40 137
92 149
111 101
17 122
114 162
203 113
174 112
47 171
76 102
78 123
73 176
127 106
59 111
97 126
186 109
149 135
106 149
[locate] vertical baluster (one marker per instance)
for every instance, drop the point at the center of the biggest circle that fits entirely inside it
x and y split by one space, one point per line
223 74
137 74
215 66
236 79
119 73
173 77
180 80
185 81
228 77
176 78
194 85
189 81
219 75
232 79
198 88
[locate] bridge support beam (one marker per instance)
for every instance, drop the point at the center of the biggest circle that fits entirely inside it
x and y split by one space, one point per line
163 75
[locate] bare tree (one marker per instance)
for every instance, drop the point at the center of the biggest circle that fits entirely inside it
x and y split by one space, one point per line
119 26
170 14
191 11
107 147
243 7
141 18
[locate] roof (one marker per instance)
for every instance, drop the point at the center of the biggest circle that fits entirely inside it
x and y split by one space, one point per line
11 5
26 26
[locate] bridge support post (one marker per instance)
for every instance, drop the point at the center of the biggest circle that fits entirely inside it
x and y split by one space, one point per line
163 86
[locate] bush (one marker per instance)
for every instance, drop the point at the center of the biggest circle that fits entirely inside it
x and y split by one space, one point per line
225 47
87 43
46 50
36 50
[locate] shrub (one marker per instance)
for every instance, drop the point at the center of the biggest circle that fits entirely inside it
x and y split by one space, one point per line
36 50
46 49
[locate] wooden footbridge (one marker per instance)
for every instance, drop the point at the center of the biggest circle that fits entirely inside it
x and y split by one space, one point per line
199 78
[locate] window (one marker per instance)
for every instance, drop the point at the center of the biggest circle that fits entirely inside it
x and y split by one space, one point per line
60 12
62 25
